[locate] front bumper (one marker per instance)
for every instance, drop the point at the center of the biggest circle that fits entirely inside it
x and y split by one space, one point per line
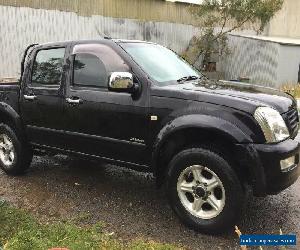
266 174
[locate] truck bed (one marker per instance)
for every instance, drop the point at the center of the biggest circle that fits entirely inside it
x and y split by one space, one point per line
9 94
9 80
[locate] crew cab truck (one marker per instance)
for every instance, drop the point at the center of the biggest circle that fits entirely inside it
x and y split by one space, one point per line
140 105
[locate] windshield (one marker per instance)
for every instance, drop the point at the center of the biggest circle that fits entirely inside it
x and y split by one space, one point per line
160 63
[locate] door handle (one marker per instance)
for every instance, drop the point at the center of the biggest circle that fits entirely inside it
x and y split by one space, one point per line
30 97
73 101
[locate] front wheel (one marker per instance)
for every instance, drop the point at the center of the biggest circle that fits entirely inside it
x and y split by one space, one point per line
15 155
204 190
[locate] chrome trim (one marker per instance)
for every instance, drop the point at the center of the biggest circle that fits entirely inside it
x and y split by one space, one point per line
73 101
30 97
121 81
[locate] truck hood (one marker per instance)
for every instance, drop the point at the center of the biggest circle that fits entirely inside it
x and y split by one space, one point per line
242 96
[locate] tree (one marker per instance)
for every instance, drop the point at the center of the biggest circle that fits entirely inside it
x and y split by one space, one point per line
217 18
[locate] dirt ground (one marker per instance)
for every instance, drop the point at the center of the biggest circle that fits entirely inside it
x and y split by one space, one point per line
130 205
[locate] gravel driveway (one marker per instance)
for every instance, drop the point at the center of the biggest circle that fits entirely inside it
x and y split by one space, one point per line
130 205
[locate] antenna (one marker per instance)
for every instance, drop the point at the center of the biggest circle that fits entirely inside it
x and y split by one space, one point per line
101 34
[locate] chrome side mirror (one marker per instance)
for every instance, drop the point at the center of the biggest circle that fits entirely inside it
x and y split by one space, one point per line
121 82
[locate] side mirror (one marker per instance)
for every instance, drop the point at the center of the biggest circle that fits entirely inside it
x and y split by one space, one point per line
121 82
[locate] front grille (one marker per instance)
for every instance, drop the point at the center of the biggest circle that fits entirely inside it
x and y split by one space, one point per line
292 121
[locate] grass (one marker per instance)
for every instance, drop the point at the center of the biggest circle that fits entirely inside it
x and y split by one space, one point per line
20 230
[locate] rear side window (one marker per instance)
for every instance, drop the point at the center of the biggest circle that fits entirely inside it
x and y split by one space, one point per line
89 71
47 67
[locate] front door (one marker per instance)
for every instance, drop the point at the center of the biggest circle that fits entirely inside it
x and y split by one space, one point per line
99 122
42 99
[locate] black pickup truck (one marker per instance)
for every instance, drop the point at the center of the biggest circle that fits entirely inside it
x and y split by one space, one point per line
140 105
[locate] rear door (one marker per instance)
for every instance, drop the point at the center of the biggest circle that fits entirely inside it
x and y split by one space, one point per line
99 122
42 97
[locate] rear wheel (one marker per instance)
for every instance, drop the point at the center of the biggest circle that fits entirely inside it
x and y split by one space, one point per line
204 191
15 155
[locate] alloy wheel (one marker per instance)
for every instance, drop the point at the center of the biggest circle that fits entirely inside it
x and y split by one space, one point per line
7 150
201 192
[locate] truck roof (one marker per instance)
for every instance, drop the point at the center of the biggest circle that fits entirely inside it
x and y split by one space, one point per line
101 40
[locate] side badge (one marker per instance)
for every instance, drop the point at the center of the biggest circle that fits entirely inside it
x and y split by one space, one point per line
154 118
137 140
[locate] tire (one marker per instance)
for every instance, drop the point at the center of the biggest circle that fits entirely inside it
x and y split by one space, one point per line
15 155
204 191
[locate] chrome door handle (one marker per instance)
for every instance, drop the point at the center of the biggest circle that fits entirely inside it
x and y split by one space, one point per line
29 97
73 101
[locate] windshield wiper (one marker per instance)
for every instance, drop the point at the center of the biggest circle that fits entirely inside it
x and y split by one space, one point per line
187 78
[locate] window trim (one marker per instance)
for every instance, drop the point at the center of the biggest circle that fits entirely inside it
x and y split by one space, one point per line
46 86
95 87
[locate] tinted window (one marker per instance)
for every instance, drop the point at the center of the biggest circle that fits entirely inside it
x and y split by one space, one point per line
112 61
47 67
162 64
89 71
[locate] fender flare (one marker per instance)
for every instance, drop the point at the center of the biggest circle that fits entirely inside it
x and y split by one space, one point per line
13 115
198 121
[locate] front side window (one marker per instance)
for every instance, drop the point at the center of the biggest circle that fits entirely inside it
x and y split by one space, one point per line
160 63
48 66
89 71
94 63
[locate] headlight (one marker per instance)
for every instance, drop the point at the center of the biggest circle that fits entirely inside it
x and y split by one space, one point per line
272 124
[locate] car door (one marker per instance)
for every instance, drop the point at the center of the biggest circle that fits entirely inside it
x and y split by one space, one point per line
42 97
99 122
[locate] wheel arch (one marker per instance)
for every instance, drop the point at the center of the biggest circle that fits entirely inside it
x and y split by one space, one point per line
11 118
195 130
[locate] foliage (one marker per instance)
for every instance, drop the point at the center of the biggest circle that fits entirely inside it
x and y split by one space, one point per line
19 231
217 18
292 89
48 72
